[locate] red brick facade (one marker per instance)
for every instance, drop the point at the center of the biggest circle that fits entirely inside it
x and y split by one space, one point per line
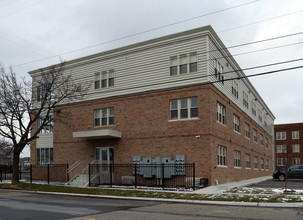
288 152
144 121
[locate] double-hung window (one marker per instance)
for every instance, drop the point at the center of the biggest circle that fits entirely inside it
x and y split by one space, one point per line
218 71
266 142
45 92
104 117
44 156
262 163
296 160
253 108
255 135
48 124
260 115
255 162
281 149
174 66
247 158
182 64
222 156
193 62
237 158
281 135
234 89
236 123
295 134
247 130
261 139
104 79
245 100
221 113
267 164
296 148
281 161
184 108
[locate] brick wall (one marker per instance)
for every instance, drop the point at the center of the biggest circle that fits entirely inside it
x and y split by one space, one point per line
143 120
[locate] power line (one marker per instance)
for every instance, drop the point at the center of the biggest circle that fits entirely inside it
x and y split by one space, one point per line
139 33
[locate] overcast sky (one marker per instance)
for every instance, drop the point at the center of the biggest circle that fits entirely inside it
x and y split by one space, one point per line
37 33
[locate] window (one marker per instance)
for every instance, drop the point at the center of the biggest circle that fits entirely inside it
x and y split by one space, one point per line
183 64
281 161
104 117
218 71
295 161
266 142
296 148
173 66
245 100
234 89
260 115
237 158
281 149
261 139
236 123
247 158
295 135
187 63
265 121
48 128
97 80
253 109
184 108
105 79
247 130
44 156
262 163
220 113
255 163
267 164
193 62
45 92
255 135
222 156
281 135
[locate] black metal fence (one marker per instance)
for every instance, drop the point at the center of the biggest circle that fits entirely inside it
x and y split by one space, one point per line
165 176
56 172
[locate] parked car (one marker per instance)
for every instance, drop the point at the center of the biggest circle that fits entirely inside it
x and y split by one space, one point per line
293 172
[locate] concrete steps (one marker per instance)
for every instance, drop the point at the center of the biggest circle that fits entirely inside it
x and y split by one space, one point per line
80 181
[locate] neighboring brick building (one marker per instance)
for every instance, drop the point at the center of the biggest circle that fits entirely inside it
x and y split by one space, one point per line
289 143
174 95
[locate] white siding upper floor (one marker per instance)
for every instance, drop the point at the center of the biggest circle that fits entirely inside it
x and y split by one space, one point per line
145 66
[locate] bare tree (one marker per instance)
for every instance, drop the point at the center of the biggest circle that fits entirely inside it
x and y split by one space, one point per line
27 107
5 152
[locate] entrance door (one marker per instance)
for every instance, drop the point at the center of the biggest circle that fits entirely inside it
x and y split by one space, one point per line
104 156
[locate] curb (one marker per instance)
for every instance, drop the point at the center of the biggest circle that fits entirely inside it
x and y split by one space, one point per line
185 201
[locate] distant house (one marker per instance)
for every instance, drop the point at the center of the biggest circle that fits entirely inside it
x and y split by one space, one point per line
288 145
24 161
178 95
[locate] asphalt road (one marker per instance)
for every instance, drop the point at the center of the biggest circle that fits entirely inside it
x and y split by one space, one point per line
276 184
15 205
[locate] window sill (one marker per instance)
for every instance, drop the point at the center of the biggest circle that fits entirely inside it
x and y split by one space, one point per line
222 166
183 119
256 169
247 138
237 132
221 124
248 168
239 168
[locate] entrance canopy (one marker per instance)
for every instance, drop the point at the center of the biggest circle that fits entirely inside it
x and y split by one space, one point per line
97 134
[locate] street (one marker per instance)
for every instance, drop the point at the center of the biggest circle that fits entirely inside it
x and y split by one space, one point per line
25 205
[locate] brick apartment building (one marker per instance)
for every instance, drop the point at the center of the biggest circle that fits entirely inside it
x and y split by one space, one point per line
289 142
174 95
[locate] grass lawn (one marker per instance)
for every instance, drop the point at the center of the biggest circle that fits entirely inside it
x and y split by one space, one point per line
236 194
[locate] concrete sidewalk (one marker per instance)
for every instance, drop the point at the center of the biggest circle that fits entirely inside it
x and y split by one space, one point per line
224 187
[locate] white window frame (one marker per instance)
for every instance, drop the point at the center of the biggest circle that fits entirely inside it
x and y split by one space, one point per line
222 156
104 79
296 148
253 108
105 113
44 156
295 135
245 100
236 123
260 116
281 161
247 130
237 159
221 113
281 135
255 135
281 149
47 129
256 165
262 164
296 161
190 107
190 60
219 71
266 142
235 89
267 164
261 140
247 160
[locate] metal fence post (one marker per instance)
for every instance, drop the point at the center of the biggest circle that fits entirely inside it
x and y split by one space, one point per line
89 183
162 175
67 174
47 173
31 173
194 177
111 175
1 173
4 172
135 175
